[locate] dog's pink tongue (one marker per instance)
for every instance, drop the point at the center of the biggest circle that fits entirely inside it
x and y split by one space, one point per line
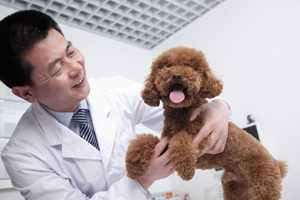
176 96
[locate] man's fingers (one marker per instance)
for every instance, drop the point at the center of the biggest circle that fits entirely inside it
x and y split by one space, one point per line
195 113
216 145
164 158
170 167
219 146
171 170
160 147
212 140
203 133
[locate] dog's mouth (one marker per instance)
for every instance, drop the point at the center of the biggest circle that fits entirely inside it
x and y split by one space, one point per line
177 93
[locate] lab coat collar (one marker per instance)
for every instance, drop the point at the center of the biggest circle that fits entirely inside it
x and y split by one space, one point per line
72 145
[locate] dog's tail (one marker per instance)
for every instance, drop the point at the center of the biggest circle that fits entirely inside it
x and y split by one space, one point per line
282 167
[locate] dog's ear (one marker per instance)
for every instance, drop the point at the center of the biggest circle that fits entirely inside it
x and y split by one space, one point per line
150 94
211 86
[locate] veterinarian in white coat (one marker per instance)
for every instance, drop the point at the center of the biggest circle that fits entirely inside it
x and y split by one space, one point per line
48 160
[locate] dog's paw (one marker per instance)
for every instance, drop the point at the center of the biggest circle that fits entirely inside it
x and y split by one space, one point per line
139 154
184 161
186 169
182 155
186 173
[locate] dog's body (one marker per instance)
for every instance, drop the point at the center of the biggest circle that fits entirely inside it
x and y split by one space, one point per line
250 172
181 78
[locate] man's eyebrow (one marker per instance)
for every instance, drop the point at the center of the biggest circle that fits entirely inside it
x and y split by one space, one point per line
52 63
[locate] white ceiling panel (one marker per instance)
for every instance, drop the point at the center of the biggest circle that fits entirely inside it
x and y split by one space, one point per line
144 23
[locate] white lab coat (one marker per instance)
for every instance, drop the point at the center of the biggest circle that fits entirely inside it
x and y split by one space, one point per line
47 161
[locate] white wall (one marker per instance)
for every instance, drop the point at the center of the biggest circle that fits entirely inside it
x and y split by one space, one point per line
253 46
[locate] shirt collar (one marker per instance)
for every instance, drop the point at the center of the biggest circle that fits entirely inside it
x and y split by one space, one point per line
65 117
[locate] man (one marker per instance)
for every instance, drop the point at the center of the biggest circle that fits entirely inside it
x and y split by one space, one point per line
71 142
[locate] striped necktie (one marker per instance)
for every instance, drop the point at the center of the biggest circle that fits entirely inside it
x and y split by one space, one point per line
86 130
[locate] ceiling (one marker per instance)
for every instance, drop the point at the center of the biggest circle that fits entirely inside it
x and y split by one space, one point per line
143 23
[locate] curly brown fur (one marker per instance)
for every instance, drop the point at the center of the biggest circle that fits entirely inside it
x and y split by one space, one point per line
234 188
182 155
210 86
182 80
139 154
150 95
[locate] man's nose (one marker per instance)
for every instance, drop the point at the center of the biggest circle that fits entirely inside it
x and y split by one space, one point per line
73 66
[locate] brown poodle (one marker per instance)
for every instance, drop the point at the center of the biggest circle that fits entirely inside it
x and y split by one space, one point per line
182 80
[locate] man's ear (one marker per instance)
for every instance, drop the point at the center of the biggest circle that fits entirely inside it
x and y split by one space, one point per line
150 94
24 92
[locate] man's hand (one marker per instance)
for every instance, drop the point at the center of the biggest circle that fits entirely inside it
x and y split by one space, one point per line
159 167
216 116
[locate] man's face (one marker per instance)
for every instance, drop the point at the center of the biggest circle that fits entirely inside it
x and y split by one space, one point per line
59 77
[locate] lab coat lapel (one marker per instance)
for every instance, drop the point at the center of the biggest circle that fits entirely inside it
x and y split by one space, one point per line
72 145
103 125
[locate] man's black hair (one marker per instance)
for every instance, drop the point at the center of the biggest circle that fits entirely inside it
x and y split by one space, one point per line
19 32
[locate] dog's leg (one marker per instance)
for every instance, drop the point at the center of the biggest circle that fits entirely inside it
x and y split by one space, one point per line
139 154
182 155
234 188
264 180
260 181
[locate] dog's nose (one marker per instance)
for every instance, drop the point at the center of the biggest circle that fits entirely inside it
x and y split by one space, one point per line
176 77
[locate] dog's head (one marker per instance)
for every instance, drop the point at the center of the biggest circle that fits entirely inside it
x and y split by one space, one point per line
179 77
